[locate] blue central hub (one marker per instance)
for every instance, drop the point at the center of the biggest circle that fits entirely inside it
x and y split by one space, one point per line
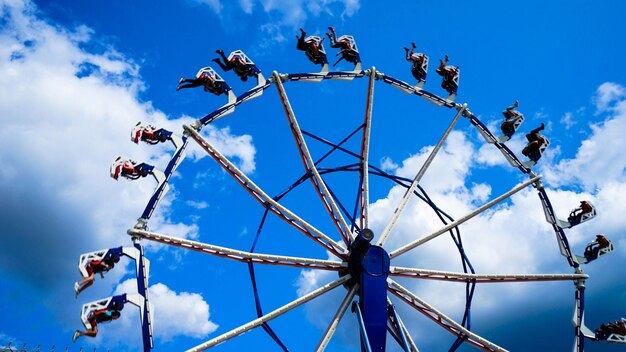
369 267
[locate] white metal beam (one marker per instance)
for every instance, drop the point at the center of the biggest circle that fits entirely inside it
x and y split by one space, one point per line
365 150
479 278
238 255
409 192
309 165
400 323
458 222
330 330
269 316
443 320
265 200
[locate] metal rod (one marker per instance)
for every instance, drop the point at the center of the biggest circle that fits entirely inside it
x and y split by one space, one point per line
409 192
458 222
365 341
404 329
265 200
467 277
395 319
440 318
407 335
365 150
330 330
238 255
309 165
269 316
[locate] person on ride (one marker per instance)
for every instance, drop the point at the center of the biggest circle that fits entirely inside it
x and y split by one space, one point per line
202 77
128 168
146 133
236 63
535 141
347 47
576 214
96 317
448 73
592 250
443 70
342 44
418 62
93 267
510 115
312 48
617 327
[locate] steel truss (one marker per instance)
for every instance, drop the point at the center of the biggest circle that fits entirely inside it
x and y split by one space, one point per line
350 223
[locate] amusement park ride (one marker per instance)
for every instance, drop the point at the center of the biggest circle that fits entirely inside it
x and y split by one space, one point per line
365 268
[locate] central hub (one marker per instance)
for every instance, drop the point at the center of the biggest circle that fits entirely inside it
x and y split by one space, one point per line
367 259
369 267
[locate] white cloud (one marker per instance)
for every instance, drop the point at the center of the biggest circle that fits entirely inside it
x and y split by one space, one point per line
276 16
65 114
388 165
273 34
349 7
197 205
215 5
295 13
448 169
6 341
600 158
174 314
247 6
568 120
290 13
607 94
513 237
232 146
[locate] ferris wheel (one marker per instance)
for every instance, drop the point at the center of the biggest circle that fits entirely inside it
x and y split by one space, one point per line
368 273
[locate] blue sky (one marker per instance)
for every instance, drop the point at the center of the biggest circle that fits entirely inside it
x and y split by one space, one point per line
76 76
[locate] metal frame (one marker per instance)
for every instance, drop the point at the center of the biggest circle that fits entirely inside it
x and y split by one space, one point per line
357 222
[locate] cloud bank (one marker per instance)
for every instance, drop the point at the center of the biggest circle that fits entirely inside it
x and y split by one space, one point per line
510 238
67 104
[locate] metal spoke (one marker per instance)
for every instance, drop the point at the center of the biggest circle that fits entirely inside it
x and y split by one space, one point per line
265 200
400 323
438 317
408 336
365 150
309 165
330 330
458 222
238 255
466 277
409 192
269 316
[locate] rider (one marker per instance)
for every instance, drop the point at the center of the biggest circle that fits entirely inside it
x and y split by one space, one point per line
203 78
312 48
342 44
348 52
576 214
594 248
99 316
618 327
242 69
95 266
510 115
148 133
535 141
448 73
129 169
418 62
